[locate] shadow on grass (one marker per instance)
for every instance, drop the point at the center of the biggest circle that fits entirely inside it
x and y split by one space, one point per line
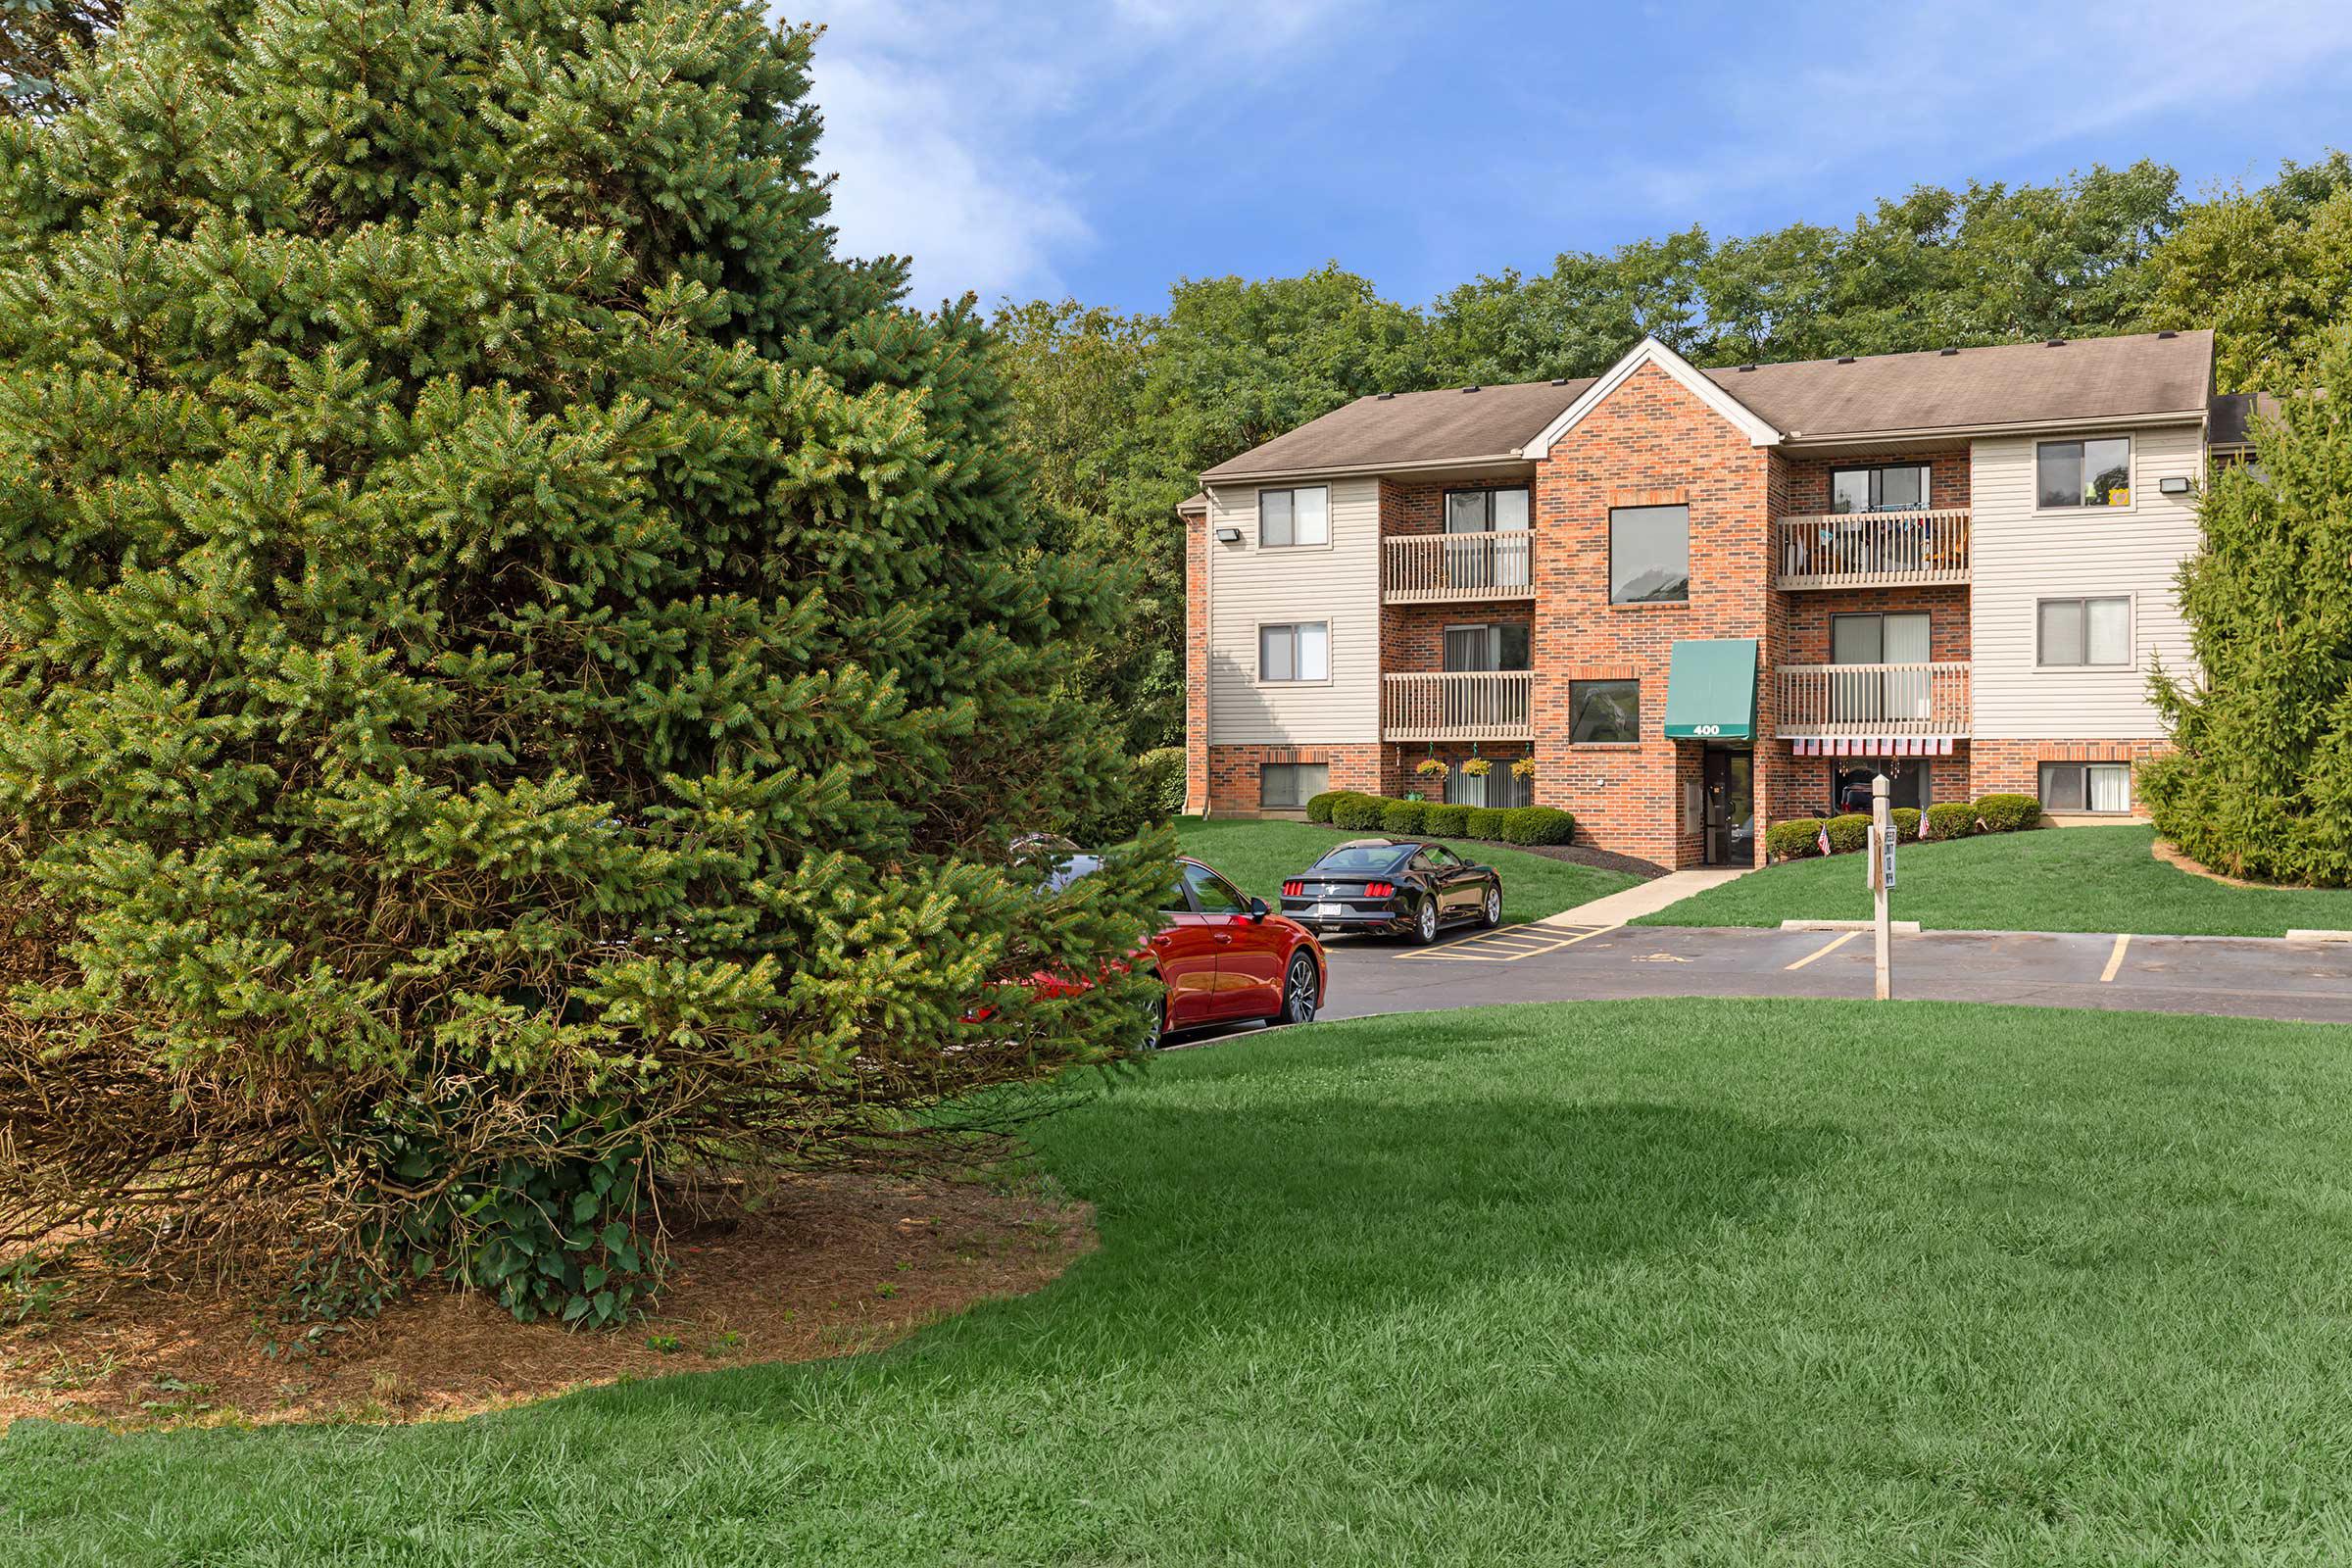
1328 1213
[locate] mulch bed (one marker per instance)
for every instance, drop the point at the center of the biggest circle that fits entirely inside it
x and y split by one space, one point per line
830 1267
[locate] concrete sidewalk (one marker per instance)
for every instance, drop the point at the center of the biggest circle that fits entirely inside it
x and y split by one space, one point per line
1647 898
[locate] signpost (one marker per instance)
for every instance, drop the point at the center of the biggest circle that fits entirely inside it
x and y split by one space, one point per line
1881 878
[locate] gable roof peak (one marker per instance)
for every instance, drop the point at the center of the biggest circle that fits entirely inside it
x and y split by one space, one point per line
1650 352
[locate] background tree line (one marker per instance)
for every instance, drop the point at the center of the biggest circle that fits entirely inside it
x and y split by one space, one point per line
1118 414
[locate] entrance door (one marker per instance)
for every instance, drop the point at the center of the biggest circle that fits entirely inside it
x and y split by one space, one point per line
1730 778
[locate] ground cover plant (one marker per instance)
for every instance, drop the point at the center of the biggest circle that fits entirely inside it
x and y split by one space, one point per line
1700 1281
2054 879
495 619
1259 854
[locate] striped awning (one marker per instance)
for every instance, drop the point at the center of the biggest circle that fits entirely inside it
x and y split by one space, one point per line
1876 746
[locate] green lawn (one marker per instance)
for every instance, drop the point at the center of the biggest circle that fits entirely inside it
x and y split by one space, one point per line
1258 855
1687 1282
2055 879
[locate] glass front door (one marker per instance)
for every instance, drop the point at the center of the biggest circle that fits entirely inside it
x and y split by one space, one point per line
1730 807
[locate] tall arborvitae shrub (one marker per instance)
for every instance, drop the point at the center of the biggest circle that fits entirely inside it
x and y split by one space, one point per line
523 669
2260 781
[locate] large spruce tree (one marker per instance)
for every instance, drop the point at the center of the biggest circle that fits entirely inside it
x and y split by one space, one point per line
2260 783
523 669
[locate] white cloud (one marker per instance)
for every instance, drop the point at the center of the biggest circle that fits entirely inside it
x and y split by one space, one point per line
960 132
1991 81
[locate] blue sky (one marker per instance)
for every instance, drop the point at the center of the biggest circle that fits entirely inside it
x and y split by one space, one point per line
1104 150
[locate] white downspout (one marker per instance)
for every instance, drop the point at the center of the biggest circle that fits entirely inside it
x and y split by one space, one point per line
1208 644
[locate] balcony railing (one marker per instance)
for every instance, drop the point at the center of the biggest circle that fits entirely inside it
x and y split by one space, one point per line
1470 706
1428 568
1871 549
1833 700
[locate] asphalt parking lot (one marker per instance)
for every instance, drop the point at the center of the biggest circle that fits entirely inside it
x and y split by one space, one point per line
2233 976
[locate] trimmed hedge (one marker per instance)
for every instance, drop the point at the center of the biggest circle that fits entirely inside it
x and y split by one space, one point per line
1318 806
1446 821
2007 813
1848 833
1906 825
1536 824
1794 839
1404 816
1484 823
1359 811
1951 819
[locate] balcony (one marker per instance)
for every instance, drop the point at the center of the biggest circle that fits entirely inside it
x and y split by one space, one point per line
1871 549
1436 569
1888 701
1468 706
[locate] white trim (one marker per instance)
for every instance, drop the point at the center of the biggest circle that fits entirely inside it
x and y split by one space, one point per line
1649 351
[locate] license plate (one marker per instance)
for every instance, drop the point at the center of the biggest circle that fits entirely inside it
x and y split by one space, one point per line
1329 909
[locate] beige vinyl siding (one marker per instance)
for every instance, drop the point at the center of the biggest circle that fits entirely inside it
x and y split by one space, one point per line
1250 587
2021 554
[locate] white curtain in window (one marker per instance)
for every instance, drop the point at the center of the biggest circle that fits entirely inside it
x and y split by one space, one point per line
2110 789
1465 789
1311 513
1314 650
2109 634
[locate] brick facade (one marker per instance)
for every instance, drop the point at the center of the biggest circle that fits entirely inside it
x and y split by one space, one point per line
1233 772
1651 443
2015 766
1195 661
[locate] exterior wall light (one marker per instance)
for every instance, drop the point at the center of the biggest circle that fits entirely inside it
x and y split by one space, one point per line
2173 485
1229 536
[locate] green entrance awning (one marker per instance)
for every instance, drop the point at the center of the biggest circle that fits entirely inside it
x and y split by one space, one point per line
1711 690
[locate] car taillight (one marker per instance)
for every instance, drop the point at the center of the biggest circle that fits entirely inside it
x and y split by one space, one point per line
1293 890
1380 889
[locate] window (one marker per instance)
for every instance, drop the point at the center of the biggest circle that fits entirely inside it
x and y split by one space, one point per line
1498 787
1503 646
1437 858
1896 489
2083 473
1213 893
1285 786
2085 632
1849 782
1287 517
1294 652
1650 555
2086 787
1604 712
1874 693
1486 510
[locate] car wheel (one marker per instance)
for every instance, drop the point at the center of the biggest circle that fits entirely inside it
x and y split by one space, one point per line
1489 913
1298 993
1156 1023
1425 922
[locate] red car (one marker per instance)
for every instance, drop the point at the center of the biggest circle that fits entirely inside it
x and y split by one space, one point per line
1220 956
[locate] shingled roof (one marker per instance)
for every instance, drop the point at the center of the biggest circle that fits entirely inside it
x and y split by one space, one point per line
2025 384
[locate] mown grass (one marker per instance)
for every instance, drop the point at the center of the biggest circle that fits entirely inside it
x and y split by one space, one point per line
2052 879
1685 1282
1258 855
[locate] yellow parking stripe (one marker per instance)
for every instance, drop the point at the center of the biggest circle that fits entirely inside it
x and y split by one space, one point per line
2115 960
1825 949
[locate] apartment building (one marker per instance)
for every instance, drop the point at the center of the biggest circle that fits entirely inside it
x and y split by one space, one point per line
1705 600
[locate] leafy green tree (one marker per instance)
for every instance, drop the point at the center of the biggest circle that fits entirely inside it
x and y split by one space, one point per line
2269 270
1578 318
519 668
2259 782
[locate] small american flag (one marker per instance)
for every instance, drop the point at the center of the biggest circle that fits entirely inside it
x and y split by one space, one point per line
1823 838
1923 821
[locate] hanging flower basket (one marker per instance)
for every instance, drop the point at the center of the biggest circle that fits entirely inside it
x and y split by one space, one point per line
1478 767
1430 767
1525 768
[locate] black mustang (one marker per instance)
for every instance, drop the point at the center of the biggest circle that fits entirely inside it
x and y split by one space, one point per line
1382 885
